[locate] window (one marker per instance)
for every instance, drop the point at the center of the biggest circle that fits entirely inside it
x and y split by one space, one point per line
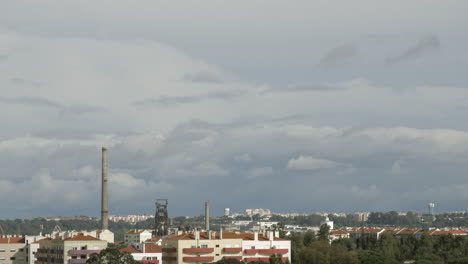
12 258
217 246
2 250
12 250
204 246
217 255
252 247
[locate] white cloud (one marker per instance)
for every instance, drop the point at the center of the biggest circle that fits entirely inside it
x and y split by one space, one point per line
311 163
207 169
259 172
365 192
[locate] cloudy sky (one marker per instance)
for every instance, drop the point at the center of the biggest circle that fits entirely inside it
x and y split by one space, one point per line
296 106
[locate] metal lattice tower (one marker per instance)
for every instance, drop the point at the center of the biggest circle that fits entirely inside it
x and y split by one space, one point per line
161 219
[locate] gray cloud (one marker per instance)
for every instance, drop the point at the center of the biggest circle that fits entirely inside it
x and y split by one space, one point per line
171 101
30 100
203 77
64 110
301 88
424 45
3 57
21 81
339 56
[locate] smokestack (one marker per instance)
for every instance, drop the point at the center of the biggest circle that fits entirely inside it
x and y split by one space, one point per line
104 208
207 217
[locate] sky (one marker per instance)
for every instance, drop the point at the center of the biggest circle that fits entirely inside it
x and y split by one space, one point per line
295 106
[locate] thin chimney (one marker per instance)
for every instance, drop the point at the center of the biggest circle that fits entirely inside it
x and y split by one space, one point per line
104 205
207 217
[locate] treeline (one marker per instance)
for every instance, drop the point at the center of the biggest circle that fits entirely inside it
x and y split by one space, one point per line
382 219
310 249
36 225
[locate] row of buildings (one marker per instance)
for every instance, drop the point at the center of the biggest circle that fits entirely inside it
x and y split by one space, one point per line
397 232
184 247
130 218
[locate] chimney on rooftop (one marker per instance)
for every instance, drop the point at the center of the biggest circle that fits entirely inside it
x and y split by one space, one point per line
207 217
104 204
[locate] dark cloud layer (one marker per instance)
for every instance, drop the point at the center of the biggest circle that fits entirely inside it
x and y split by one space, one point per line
171 101
285 100
339 56
425 45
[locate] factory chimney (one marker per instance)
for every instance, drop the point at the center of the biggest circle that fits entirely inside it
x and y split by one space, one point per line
207 217
104 208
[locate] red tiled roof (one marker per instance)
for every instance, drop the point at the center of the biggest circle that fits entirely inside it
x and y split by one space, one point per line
226 235
81 237
369 230
47 238
150 248
133 231
153 239
447 232
130 249
12 240
339 232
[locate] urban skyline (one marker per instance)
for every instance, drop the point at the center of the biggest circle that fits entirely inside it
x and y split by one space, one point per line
297 108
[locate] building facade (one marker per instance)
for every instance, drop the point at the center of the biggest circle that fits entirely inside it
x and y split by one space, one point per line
215 246
13 250
136 236
76 249
145 253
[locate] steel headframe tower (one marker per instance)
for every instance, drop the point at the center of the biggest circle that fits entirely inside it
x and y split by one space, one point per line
161 219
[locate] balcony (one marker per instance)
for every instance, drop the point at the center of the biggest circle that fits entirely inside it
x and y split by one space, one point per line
166 258
169 250
83 252
198 250
232 250
251 251
72 261
198 259
262 259
272 251
233 257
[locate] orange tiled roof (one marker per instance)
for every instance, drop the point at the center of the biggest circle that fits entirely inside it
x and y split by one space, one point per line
81 237
12 240
47 238
153 239
226 235
339 232
134 232
369 230
130 249
151 248
447 232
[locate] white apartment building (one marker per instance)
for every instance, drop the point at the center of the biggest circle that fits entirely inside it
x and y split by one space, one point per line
258 211
214 246
145 253
76 249
130 218
135 236
13 250
106 235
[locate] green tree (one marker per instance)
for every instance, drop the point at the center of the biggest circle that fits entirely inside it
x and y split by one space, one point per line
111 256
370 257
324 233
309 237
